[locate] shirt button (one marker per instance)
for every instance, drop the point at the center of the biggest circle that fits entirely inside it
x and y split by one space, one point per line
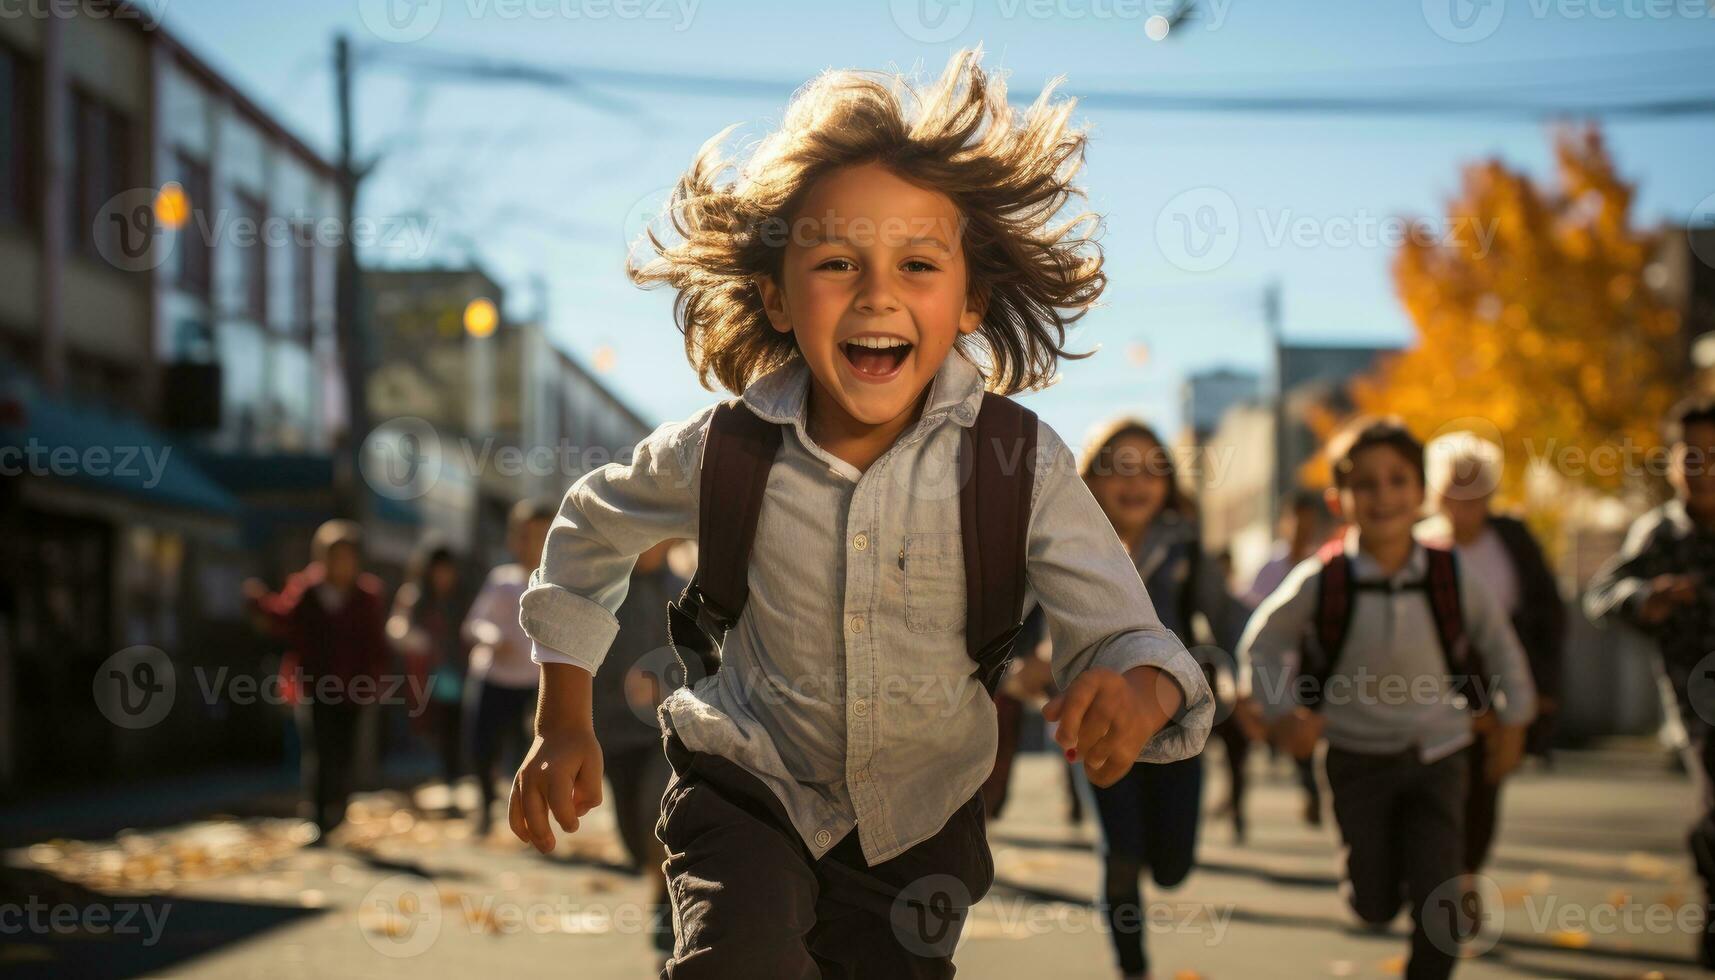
860 708
823 838
857 624
861 541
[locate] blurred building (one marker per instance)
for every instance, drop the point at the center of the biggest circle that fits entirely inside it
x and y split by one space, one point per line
164 295
1246 470
1684 272
1208 394
492 409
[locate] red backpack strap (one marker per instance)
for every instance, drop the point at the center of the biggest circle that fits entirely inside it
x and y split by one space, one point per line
738 453
1464 666
998 456
1334 608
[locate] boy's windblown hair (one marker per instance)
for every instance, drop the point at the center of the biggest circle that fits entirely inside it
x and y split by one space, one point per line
1009 175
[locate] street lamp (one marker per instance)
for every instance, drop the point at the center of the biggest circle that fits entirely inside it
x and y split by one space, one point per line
481 317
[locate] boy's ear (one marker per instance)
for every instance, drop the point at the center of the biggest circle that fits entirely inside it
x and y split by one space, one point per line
1331 497
976 307
773 303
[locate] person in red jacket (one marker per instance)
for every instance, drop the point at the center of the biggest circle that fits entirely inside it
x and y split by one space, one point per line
333 618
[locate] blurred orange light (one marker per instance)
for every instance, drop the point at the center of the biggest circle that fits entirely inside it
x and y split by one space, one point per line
172 206
605 359
481 317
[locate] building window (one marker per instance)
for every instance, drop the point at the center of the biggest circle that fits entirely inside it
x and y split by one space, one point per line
101 167
302 317
195 245
18 138
251 255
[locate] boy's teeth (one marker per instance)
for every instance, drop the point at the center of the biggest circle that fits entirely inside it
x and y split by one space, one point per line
877 343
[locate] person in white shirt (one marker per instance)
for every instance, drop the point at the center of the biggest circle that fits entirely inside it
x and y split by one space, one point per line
501 689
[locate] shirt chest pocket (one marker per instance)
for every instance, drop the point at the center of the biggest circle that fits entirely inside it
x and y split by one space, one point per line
933 564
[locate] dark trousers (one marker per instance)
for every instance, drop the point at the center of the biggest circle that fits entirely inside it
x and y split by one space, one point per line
497 724
1238 750
1149 824
1702 838
1482 810
749 900
447 720
1402 823
327 736
1009 713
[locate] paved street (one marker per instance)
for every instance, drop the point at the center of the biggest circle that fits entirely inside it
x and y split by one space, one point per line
1589 870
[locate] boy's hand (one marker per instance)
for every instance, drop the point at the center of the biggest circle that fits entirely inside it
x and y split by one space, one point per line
561 775
1299 732
1666 592
1503 750
1247 714
1106 718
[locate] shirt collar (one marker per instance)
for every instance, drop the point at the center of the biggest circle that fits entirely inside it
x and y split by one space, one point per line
782 395
1364 567
1674 513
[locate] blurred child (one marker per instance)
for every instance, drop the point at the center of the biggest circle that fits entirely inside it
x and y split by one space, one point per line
1663 582
1303 527
333 618
1149 817
874 278
501 688
428 612
1393 650
1500 551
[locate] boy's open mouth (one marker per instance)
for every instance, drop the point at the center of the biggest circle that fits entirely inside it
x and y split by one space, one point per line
876 357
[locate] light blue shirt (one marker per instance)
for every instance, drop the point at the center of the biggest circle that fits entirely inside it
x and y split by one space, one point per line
845 685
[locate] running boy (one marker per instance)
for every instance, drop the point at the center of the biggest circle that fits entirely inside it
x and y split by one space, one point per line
1663 582
849 281
1377 666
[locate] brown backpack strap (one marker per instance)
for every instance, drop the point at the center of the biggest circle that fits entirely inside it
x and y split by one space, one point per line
1334 607
737 455
998 456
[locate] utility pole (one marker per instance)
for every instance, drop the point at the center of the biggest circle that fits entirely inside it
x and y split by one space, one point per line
1271 323
348 298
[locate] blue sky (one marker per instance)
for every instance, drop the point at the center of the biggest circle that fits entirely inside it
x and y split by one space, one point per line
541 187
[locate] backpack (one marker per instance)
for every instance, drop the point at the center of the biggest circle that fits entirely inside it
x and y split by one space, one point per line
998 463
1334 607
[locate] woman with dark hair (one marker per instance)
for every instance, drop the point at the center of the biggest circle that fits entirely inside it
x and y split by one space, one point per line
424 628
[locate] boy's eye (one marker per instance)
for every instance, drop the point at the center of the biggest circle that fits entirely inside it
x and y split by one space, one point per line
918 265
843 265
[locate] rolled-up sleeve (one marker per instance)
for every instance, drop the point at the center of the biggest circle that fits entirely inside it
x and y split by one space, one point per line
610 515
1098 612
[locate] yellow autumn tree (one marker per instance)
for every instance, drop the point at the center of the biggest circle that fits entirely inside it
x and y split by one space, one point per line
1536 326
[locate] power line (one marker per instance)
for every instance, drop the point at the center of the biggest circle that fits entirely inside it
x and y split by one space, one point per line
587 83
